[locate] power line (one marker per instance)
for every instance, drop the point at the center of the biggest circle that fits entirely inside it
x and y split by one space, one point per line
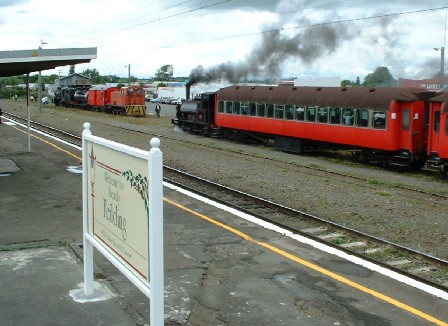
313 7
306 26
186 11
139 10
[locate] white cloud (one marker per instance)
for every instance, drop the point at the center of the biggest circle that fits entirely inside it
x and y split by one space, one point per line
148 35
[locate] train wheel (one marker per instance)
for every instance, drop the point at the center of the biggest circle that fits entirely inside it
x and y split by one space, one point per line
417 164
444 170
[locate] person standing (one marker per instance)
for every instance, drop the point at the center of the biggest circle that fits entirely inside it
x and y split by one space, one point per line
158 109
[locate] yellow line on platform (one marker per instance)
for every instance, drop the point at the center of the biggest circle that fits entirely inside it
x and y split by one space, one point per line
287 255
51 144
315 267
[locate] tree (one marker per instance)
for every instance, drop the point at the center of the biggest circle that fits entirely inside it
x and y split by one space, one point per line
94 75
346 82
49 79
71 71
164 73
380 77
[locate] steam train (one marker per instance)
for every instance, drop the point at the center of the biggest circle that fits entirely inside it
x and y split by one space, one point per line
401 127
128 100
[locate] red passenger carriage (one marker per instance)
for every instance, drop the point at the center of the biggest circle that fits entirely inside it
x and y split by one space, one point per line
383 124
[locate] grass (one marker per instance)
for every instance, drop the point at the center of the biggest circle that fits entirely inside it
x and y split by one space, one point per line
376 182
384 193
340 240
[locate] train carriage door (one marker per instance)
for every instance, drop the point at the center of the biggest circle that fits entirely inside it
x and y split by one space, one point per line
434 128
405 128
443 136
412 127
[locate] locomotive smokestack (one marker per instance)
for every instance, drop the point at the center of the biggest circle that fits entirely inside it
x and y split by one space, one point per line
187 90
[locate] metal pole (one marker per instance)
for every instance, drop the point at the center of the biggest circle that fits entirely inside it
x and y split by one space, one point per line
442 66
129 74
28 113
39 92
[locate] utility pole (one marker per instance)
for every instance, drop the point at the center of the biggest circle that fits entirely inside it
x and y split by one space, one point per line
442 67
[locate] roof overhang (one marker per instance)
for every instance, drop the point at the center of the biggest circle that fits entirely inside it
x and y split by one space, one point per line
19 62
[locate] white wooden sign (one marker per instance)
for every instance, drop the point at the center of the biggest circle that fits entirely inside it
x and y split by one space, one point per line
123 214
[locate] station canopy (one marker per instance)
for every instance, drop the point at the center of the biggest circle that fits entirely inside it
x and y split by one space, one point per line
20 62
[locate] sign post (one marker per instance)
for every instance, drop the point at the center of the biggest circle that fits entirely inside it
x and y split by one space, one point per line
123 214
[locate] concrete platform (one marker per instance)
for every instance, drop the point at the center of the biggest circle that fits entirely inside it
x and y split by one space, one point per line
220 269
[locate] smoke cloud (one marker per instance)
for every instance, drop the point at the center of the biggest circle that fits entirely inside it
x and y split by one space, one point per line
277 46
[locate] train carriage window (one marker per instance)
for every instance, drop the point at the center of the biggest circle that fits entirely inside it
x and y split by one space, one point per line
347 117
289 111
270 110
221 107
279 112
335 115
300 113
261 109
311 113
130 91
379 120
236 107
362 118
405 119
436 121
322 115
140 91
252 109
229 107
244 109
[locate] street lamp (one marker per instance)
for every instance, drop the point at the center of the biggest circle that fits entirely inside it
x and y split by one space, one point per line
169 70
39 82
442 65
129 74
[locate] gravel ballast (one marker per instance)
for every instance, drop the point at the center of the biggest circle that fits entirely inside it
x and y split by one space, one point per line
371 204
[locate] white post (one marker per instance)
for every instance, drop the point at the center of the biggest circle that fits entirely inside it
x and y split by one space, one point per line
155 224
87 246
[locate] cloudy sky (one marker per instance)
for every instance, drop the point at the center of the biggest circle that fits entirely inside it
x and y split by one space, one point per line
236 39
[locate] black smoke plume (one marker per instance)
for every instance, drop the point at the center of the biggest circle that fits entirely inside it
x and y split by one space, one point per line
275 47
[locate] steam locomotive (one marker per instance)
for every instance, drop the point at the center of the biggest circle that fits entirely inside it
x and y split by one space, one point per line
401 127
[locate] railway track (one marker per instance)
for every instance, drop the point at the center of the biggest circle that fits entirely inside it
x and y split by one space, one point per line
58 133
414 264
312 169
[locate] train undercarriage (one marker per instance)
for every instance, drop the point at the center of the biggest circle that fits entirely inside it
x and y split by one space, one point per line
402 159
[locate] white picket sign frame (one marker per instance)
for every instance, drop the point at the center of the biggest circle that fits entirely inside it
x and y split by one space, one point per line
154 289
